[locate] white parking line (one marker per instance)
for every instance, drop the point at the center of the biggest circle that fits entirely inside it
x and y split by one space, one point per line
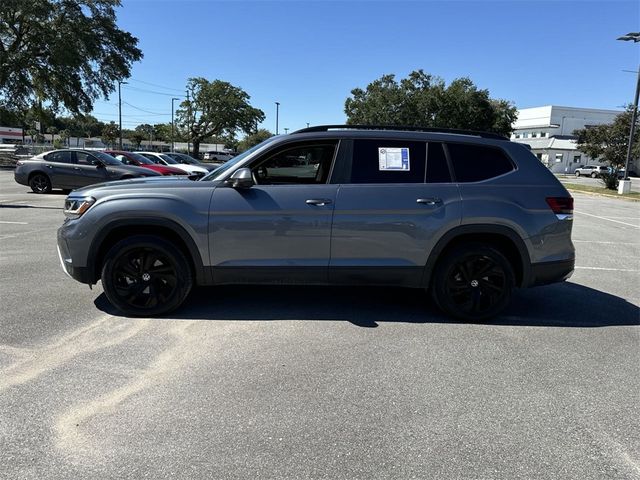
607 243
607 269
608 219
15 223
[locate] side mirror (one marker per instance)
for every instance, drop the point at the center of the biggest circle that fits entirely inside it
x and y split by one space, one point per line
99 164
241 178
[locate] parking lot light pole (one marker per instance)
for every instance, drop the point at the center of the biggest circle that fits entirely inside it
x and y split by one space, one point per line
120 115
172 128
277 113
625 185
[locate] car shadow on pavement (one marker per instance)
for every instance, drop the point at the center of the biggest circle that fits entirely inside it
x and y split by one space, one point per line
560 305
31 206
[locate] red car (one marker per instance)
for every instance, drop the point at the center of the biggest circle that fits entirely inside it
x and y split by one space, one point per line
130 158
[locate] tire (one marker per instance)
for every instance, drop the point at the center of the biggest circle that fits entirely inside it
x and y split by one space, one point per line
146 275
577 174
473 282
40 183
594 175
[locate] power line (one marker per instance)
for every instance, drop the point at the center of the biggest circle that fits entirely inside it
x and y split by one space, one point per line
158 86
143 110
129 87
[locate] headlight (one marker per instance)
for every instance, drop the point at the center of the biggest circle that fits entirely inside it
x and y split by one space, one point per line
75 207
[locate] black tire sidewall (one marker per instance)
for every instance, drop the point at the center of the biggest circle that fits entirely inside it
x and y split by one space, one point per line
180 263
34 189
443 268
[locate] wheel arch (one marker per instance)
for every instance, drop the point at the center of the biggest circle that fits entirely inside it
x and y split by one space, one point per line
503 238
167 229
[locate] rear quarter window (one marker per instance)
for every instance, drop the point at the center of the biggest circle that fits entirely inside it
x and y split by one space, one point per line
474 163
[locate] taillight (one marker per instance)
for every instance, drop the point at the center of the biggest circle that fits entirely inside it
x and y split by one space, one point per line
561 206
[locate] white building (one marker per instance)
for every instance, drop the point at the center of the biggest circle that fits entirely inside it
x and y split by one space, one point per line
549 131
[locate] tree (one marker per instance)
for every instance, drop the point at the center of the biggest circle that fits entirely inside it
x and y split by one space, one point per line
64 137
110 133
253 139
137 138
425 100
69 53
610 142
216 108
52 131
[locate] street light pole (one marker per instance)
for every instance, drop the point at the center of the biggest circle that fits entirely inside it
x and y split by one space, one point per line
635 38
172 128
120 114
286 131
277 114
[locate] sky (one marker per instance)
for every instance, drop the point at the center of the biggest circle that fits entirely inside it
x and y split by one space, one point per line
309 55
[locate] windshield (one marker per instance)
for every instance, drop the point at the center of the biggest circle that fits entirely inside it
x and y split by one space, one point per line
181 157
214 174
140 158
107 159
167 159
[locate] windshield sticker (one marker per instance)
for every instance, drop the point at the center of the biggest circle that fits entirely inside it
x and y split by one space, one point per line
396 159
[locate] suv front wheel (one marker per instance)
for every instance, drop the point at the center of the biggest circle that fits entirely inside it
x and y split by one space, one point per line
473 282
145 275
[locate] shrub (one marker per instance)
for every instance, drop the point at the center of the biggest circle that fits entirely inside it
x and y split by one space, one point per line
610 180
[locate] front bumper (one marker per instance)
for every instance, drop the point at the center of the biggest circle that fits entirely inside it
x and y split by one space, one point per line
81 274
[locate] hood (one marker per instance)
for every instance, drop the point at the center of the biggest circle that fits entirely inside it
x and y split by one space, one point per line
150 184
132 169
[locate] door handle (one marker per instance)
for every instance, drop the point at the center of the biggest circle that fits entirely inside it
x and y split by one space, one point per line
432 202
76 168
49 166
319 202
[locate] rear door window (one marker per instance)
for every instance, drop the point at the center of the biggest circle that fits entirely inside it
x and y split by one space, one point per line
59 157
388 161
474 163
437 167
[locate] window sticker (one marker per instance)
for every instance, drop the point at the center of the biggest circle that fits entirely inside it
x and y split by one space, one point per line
396 159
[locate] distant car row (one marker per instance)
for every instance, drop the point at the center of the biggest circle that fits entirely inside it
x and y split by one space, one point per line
74 168
595 171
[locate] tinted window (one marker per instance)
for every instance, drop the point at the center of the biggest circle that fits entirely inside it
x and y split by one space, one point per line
59 157
388 161
473 163
437 168
303 164
83 158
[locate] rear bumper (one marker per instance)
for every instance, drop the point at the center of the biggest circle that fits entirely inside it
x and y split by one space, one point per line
551 272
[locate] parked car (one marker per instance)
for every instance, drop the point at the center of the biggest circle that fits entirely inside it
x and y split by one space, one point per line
73 168
620 173
359 206
163 159
218 156
131 158
592 171
189 160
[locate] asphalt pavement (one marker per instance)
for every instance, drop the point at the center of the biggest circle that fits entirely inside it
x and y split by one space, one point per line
308 382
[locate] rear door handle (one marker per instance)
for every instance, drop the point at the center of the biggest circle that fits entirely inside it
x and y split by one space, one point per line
319 202
432 202
76 168
49 166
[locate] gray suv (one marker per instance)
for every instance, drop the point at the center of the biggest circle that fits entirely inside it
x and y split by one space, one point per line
468 216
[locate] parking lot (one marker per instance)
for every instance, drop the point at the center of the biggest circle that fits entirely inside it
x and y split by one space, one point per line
308 382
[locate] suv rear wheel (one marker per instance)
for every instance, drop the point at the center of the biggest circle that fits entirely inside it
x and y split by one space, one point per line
473 282
146 275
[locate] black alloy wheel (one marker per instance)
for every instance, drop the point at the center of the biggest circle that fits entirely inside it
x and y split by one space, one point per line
40 183
473 282
146 275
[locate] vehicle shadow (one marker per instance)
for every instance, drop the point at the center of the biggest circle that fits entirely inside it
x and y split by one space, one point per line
561 305
30 206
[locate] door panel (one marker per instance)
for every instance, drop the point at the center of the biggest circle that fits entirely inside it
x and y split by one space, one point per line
253 231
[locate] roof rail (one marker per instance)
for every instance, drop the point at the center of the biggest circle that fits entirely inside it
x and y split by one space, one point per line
325 128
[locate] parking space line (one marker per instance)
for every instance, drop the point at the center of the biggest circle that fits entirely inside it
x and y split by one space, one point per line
607 269
608 219
607 243
15 223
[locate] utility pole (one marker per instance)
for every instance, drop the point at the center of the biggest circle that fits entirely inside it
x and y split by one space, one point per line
172 127
277 113
625 184
188 124
120 115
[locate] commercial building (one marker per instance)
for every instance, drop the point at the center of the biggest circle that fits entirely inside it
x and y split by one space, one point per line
549 131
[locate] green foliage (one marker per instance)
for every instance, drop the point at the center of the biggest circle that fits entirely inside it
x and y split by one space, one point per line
253 139
137 138
425 100
610 180
69 52
110 133
610 142
216 108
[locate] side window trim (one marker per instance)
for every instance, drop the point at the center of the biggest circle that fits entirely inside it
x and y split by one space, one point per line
447 154
447 157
